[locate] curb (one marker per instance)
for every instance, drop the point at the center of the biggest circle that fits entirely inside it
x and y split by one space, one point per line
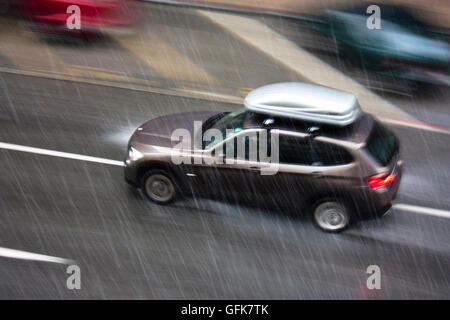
238 9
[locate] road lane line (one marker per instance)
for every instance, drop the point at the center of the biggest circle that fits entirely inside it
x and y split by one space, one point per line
308 66
16 147
423 210
25 255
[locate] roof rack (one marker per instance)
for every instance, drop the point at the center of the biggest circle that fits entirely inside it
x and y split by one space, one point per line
305 101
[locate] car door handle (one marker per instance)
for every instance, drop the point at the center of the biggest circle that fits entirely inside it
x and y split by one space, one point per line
255 168
317 174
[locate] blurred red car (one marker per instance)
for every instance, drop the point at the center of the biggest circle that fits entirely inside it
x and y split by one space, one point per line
94 14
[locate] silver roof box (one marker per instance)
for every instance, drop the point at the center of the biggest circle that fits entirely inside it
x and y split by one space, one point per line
305 101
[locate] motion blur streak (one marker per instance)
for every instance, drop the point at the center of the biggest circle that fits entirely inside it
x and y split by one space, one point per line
305 64
52 15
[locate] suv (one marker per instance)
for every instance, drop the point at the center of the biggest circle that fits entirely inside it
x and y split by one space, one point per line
332 160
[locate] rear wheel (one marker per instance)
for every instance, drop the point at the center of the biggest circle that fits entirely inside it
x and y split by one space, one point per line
331 216
159 187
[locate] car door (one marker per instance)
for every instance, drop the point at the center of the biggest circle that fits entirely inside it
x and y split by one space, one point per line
309 167
232 173
292 184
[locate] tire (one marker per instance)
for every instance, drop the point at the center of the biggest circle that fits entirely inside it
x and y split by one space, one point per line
331 215
159 187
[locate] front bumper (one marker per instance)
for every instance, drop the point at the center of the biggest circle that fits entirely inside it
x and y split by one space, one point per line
131 171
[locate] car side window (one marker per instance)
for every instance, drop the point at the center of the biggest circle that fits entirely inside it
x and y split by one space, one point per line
242 147
304 151
326 154
294 150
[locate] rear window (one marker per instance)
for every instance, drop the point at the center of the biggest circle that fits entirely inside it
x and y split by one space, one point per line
382 144
325 154
301 151
295 150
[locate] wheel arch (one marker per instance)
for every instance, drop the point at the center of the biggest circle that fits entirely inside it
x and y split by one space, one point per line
343 197
156 165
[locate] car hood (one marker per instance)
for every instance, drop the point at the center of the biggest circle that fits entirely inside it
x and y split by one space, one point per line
158 132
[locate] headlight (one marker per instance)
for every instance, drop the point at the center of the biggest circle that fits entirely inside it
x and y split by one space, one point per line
134 154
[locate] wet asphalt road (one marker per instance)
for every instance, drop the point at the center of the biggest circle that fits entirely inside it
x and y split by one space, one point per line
127 247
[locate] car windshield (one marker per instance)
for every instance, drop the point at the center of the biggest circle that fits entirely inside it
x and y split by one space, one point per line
227 125
382 144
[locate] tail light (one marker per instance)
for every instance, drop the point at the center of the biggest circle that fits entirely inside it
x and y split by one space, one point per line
381 180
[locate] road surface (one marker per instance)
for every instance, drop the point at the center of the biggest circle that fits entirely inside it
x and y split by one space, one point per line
86 98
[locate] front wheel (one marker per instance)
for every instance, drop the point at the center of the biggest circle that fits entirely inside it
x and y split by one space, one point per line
159 187
331 216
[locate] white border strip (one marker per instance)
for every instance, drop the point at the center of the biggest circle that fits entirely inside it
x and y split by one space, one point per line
423 210
16 147
24 255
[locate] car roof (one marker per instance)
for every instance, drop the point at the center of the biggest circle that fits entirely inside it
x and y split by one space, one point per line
304 101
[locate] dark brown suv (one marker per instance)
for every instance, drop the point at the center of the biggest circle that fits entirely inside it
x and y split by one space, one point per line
339 172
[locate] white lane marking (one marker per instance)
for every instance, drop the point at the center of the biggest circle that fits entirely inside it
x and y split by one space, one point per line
423 210
24 255
16 147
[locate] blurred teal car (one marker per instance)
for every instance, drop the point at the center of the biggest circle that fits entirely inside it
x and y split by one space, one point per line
404 47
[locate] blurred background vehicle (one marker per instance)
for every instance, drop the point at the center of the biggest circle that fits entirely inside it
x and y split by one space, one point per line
52 15
404 47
